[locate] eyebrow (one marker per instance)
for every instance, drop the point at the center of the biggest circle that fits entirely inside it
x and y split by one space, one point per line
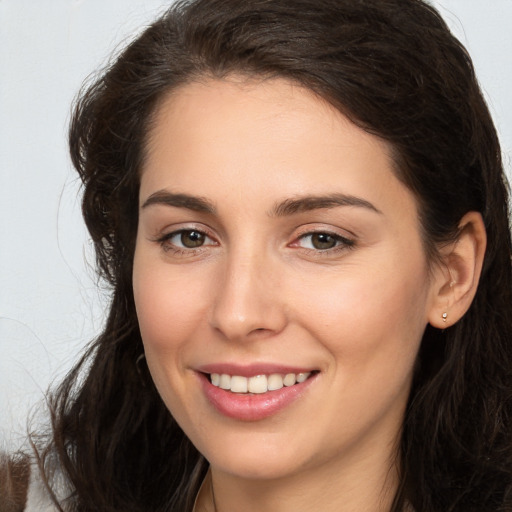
197 204
307 203
281 209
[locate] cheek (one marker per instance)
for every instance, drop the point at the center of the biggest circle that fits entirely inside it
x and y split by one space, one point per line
167 316
169 306
371 326
363 316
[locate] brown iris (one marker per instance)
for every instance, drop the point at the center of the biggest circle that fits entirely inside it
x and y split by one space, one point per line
192 239
323 241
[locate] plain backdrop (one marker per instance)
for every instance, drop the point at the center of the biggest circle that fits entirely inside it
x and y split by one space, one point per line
50 301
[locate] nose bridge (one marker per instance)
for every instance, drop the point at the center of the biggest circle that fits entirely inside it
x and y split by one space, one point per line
246 299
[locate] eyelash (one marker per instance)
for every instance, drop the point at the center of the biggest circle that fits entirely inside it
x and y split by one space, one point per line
167 245
341 243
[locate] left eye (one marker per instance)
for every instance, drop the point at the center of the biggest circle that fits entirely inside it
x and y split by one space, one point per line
188 239
322 241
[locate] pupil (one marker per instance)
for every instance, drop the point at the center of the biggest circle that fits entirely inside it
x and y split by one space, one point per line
323 241
192 239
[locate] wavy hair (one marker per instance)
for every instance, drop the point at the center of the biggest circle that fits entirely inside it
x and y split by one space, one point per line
395 70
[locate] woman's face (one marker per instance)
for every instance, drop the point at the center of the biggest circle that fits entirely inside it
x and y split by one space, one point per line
275 244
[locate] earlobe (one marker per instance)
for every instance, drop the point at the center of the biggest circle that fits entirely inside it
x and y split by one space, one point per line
459 272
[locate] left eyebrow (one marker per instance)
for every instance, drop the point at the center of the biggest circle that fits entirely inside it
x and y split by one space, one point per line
307 203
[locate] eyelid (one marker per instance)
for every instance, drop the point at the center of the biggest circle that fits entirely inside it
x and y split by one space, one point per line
311 229
171 229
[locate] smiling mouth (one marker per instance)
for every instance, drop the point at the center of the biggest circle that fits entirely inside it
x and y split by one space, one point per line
258 384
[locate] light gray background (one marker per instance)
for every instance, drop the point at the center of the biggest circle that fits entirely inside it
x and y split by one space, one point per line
50 304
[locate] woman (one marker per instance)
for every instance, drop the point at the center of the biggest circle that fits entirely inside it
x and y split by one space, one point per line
301 209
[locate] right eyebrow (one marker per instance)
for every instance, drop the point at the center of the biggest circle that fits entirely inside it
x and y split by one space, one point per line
166 198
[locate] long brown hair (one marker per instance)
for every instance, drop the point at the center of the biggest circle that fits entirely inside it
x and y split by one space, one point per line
395 70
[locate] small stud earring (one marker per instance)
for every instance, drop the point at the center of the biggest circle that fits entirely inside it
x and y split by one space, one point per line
445 316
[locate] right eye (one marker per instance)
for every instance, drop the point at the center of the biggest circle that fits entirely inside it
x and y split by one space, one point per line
185 239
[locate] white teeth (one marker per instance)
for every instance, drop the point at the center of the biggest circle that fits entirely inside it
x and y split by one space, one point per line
225 381
301 377
257 384
289 379
275 381
238 384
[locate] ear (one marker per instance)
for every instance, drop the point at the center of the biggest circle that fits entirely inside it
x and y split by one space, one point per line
456 278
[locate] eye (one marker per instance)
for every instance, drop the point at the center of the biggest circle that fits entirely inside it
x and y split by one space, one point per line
185 239
188 238
323 241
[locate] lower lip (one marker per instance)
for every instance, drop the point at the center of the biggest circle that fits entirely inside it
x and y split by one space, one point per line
253 407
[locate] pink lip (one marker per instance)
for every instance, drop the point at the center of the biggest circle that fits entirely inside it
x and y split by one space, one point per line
252 407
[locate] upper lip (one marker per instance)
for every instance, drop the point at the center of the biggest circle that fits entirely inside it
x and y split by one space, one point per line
253 369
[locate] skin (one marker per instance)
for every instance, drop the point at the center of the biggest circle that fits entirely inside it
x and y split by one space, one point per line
259 290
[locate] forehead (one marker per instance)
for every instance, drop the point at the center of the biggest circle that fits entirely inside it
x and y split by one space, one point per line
270 137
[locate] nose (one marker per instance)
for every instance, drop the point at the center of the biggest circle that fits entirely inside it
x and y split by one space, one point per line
248 299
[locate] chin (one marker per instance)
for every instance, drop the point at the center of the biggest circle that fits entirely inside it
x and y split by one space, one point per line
255 468
263 459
